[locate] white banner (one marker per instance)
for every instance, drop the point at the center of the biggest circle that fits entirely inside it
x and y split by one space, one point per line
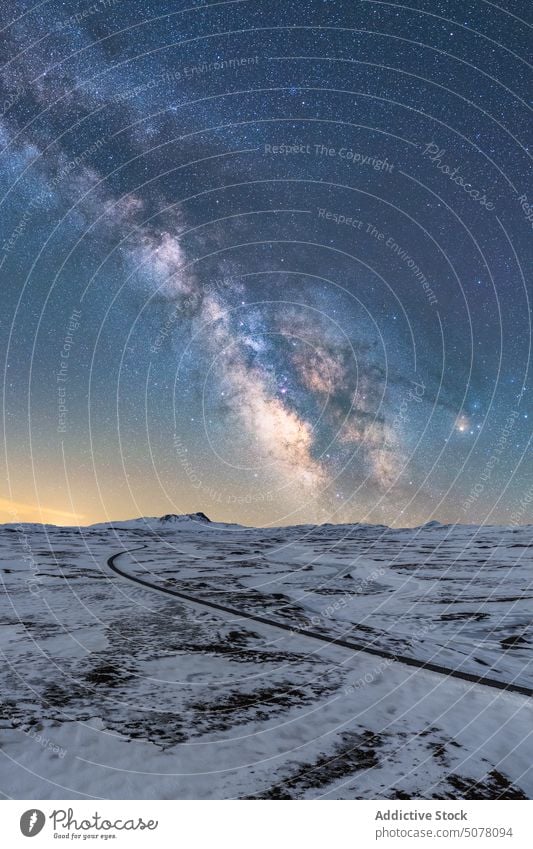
264 825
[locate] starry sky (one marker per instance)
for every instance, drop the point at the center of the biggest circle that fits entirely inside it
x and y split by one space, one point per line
270 261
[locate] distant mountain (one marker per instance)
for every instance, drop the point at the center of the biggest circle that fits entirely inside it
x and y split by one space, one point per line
185 517
170 521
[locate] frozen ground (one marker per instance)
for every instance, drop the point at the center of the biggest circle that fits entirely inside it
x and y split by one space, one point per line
115 691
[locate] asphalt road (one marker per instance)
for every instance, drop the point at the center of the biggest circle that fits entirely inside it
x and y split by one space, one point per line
314 635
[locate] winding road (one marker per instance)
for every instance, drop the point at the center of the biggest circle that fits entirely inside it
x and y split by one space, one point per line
314 635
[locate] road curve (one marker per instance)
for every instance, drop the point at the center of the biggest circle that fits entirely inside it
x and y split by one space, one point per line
314 635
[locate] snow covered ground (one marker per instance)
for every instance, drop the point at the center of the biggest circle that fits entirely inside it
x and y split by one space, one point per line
111 690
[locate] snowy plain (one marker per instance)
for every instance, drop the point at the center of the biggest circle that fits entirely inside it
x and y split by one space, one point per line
113 690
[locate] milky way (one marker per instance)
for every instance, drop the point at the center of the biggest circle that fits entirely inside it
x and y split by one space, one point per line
266 260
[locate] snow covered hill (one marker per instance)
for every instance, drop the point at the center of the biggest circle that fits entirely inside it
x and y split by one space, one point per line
171 521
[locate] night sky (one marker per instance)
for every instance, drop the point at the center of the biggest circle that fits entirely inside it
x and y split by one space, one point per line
267 260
